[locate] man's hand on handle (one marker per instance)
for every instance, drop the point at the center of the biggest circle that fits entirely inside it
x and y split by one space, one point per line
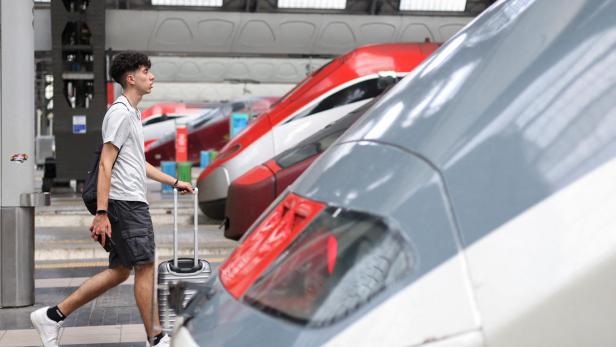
184 187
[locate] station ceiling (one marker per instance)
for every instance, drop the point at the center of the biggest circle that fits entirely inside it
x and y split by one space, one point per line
371 7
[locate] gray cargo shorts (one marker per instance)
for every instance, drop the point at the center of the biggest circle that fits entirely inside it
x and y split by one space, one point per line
131 232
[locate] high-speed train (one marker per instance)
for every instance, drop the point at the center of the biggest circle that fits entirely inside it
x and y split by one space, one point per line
253 191
342 85
474 205
208 131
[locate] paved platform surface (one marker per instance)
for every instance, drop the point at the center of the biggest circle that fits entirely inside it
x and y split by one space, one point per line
110 320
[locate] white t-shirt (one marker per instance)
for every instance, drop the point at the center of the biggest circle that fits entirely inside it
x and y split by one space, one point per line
122 127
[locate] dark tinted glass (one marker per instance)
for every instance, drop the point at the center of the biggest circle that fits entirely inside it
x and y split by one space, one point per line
337 264
159 119
307 150
360 91
206 117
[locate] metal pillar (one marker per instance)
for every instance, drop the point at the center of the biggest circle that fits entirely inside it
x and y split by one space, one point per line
17 148
79 84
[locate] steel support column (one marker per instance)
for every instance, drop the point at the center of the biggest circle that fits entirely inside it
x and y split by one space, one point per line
17 146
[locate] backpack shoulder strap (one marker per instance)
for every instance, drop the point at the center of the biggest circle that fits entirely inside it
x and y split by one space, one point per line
137 111
128 109
120 102
117 156
100 151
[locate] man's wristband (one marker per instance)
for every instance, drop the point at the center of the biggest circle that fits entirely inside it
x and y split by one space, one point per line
175 185
98 212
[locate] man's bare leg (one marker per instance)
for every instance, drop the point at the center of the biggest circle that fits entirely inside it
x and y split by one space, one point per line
144 291
94 287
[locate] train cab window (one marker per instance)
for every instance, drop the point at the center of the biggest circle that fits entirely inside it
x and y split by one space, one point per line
359 91
338 263
162 118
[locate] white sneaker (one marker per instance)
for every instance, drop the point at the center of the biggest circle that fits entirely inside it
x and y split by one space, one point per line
47 328
164 342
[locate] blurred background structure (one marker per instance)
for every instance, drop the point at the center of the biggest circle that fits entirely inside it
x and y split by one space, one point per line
202 51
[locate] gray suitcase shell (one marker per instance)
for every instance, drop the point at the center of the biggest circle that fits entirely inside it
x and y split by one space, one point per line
174 271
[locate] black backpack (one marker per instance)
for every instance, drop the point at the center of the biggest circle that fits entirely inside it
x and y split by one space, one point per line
91 184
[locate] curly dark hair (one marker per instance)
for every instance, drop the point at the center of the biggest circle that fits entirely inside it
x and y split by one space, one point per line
128 61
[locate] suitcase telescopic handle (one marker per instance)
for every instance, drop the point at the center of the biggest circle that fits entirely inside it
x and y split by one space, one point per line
196 227
196 223
175 227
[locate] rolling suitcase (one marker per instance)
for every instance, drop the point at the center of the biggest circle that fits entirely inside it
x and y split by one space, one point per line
175 272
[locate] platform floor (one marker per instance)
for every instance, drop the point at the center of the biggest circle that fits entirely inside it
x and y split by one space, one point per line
110 320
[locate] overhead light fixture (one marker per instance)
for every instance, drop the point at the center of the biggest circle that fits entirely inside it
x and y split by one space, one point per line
433 5
42 0
315 4
210 3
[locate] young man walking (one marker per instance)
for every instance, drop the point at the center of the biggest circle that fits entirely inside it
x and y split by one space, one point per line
122 210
